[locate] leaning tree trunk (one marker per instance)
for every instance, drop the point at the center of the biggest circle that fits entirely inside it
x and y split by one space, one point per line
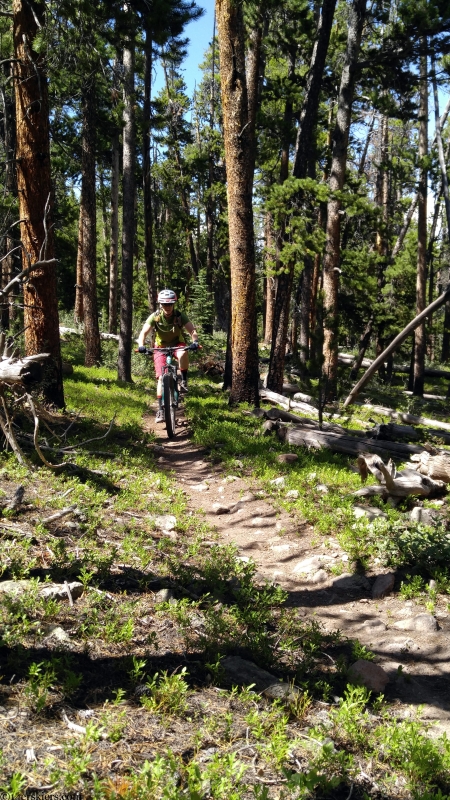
93 353
128 192
337 178
239 156
35 195
421 280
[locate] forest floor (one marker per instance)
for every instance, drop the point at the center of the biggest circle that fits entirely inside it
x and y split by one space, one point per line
206 579
289 552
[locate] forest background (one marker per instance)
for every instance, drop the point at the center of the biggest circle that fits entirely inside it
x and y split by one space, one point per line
341 188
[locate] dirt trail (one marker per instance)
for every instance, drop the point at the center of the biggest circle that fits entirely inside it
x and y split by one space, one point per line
411 645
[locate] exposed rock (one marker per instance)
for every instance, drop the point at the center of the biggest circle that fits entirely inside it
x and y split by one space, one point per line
292 494
423 515
163 596
320 576
351 582
322 488
421 622
369 512
261 521
287 458
278 482
248 497
219 508
57 591
374 623
384 584
311 564
369 675
245 673
201 487
230 479
165 522
58 634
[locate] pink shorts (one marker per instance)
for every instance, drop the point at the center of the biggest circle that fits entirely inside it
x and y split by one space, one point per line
160 359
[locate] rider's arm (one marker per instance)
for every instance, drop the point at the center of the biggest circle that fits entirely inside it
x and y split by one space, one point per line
191 330
147 328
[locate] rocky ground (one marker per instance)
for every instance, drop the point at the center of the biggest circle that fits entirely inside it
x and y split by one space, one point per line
412 646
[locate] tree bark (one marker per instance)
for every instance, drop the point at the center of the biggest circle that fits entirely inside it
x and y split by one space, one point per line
146 162
78 309
114 243
35 195
337 178
93 353
128 193
421 281
239 156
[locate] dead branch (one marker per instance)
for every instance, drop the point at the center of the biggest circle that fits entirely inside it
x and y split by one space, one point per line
88 441
395 484
60 515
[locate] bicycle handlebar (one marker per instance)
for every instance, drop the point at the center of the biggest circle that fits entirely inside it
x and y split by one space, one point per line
150 350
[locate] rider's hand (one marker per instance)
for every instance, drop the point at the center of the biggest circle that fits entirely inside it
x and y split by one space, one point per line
142 349
194 346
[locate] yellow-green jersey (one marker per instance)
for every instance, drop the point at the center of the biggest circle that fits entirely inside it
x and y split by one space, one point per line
168 330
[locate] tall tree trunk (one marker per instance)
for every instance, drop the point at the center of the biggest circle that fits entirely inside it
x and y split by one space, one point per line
128 193
9 130
209 209
34 185
78 309
337 178
114 238
239 156
147 171
307 121
93 353
421 281
381 245
270 280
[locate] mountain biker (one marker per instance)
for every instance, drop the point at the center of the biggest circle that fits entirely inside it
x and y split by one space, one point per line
166 328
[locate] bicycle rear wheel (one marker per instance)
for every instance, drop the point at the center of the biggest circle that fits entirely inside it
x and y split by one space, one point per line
169 404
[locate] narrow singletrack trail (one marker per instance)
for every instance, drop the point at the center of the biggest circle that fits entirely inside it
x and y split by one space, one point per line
410 644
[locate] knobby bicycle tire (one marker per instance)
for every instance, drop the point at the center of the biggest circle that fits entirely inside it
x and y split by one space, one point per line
169 404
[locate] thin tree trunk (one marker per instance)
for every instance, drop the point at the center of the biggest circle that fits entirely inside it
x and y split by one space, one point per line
307 121
147 172
114 239
421 281
239 156
381 246
93 352
34 185
78 310
337 177
270 280
128 192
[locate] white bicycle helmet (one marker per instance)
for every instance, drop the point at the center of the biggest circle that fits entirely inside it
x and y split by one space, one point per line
167 296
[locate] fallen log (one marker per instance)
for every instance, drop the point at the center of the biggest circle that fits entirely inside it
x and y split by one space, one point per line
275 414
393 483
25 371
391 431
404 417
286 402
302 436
435 466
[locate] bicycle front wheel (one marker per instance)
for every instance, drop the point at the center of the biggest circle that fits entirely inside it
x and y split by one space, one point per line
169 404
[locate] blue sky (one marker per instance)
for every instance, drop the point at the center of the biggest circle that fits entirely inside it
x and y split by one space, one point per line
200 35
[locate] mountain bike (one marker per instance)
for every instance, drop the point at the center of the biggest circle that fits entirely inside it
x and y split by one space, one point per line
169 377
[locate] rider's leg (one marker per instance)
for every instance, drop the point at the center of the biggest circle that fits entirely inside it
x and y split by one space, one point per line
184 364
159 360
